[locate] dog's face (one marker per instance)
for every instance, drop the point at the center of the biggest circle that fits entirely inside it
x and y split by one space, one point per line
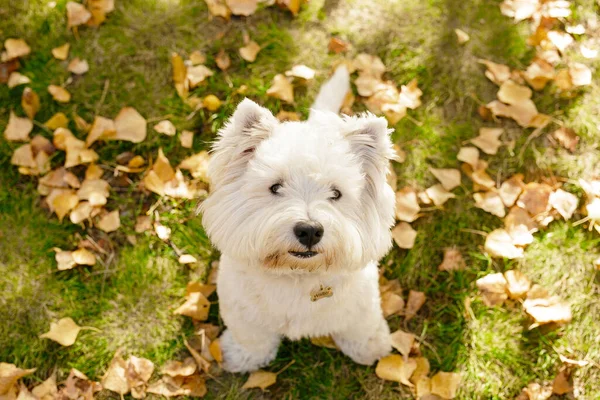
300 196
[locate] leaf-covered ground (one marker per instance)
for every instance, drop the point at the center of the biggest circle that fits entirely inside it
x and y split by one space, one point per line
130 295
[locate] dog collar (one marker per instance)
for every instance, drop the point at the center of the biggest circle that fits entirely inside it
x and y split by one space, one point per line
321 293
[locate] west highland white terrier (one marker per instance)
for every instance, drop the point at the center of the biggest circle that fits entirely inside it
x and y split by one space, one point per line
301 212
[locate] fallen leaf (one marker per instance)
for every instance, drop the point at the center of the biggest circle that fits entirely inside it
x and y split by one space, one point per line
561 40
292 5
301 71
488 140
282 89
197 57
9 375
109 222
337 45
421 371
438 194
46 390
453 260
18 128
448 177
223 61
413 304
218 8
250 51
402 341
129 125
82 212
196 307
58 120
497 73
288 116
324 341
461 36
567 138
211 102
535 198
166 127
517 284
23 157
588 52
178 368
410 95
539 73
30 102
260 379
84 257
15 79
179 75
59 94
391 304
96 191
407 205
78 66
499 243
520 226
370 65
186 139
215 350
404 235
511 189
115 378
15 48
64 331
64 202
564 202
61 52
561 383
198 74
491 202
395 368
187 259
445 384
469 155
242 7
547 310
493 289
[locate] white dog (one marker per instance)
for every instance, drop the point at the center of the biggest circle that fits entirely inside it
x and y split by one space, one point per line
301 212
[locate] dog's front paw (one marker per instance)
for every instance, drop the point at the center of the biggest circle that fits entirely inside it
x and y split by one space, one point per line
237 358
367 349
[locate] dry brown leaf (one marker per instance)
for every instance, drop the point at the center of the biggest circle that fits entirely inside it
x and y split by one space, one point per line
562 382
488 140
445 384
30 102
83 257
535 198
491 202
61 52
301 71
493 289
143 223
64 259
337 45
539 73
198 74
18 128
242 7
453 260
370 65
520 226
215 350
15 79
223 61
59 94
15 48
9 375
250 51
511 189
82 212
448 177
186 139
197 57
567 138
109 222
196 307
413 304
129 125
517 284
178 368
96 191
438 194
218 8
547 310
282 89
499 243
469 155
64 202
292 5
402 341
404 235
288 116
407 204
78 66
391 303
64 332
395 368
564 202
46 390
260 379
23 157
461 36
410 95
497 73
115 378
166 127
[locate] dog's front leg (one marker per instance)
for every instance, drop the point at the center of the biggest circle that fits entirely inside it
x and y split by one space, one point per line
367 341
247 348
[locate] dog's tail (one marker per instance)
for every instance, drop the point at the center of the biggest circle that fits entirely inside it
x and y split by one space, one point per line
333 92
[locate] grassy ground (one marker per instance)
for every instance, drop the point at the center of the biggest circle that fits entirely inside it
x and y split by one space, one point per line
130 297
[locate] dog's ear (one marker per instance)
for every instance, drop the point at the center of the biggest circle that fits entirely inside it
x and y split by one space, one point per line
249 125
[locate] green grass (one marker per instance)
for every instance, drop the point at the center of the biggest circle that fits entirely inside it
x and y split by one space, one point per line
129 298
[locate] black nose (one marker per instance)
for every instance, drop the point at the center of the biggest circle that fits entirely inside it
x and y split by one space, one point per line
308 233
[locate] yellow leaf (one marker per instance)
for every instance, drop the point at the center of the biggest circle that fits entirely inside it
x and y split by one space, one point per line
178 368
16 79
197 75
64 202
64 259
547 310
15 48
110 222
404 235
491 202
395 368
218 8
413 304
445 384
115 378
260 379
288 116
18 128
9 375
165 127
567 138
461 36
46 390
391 303
562 382
211 102
421 371
324 341
78 67
84 257
58 120
301 71
242 7
197 57
130 125
186 139
23 157
215 350
102 128
407 205
493 289
77 14
513 93
61 52
82 212
282 89
196 307
197 164
497 73
488 140
30 102
448 177
64 331
517 284
402 341
511 189
438 194
59 94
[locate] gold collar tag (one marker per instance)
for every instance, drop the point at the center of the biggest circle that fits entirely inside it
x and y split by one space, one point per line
321 293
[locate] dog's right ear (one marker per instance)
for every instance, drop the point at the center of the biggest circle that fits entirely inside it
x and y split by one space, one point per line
249 125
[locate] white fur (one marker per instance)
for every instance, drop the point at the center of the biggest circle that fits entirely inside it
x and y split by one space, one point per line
264 292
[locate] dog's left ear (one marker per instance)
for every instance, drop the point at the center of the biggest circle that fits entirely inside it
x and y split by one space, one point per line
249 125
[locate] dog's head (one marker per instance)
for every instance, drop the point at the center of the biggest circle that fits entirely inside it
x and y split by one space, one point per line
300 196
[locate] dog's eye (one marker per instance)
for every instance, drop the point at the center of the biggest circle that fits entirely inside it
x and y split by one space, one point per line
275 188
336 195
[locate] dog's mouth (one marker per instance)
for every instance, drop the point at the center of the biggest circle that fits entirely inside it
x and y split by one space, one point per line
303 254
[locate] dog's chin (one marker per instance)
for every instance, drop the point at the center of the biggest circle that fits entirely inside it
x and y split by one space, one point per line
297 261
